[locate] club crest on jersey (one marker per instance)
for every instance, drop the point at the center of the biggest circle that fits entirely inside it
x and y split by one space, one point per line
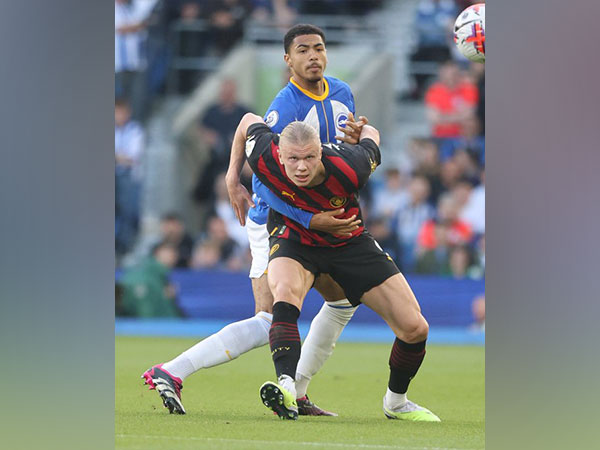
272 118
274 249
337 202
340 119
287 194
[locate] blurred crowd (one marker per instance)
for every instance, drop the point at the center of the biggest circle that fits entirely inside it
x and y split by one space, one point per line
428 212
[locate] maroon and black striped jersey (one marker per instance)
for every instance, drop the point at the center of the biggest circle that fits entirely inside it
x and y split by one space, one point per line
347 167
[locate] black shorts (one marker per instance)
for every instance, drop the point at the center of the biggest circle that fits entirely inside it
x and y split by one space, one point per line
357 266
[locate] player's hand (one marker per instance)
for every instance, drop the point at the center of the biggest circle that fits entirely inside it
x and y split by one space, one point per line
240 200
352 129
326 221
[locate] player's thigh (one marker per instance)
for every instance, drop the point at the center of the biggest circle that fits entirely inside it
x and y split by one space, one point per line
289 280
263 299
328 288
396 303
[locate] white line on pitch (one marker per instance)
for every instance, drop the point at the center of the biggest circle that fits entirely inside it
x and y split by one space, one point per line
279 443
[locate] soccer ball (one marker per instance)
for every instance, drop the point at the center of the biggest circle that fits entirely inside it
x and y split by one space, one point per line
469 32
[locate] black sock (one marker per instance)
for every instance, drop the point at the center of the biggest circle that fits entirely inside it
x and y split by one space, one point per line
284 339
405 361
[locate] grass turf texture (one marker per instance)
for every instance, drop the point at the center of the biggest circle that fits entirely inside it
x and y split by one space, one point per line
224 410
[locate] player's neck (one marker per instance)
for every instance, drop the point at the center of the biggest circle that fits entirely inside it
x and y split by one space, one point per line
314 87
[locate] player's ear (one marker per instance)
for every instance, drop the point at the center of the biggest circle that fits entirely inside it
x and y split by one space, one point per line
286 58
279 155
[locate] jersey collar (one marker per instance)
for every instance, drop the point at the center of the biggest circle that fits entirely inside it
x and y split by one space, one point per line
309 94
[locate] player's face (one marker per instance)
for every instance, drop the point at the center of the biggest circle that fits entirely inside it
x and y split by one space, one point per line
307 57
302 163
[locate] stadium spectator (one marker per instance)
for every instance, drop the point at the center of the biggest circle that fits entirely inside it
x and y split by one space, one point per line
281 12
439 234
459 262
478 73
224 210
380 229
129 151
478 309
450 101
145 287
207 255
427 164
451 172
130 57
471 141
173 232
473 211
433 24
338 7
226 22
389 197
216 249
410 217
217 128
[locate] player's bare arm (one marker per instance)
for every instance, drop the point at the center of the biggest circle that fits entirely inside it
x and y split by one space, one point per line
238 195
327 222
369 132
352 129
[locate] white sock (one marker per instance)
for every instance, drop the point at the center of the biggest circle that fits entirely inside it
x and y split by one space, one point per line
286 382
325 330
232 341
393 400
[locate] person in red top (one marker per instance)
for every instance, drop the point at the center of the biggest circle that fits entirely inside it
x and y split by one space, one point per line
438 235
450 101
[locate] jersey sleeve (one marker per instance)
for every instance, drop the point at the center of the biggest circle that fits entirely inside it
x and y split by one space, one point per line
363 157
298 215
280 113
258 142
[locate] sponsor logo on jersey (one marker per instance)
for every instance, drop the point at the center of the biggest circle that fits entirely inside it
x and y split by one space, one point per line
272 118
337 202
274 249
287 194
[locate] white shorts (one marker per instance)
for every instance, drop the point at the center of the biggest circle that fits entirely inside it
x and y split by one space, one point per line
258 237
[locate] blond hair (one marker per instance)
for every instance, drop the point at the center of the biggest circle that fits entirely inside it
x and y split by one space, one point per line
299 133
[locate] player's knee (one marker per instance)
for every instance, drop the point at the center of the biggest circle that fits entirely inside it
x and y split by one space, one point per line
417 331
284 291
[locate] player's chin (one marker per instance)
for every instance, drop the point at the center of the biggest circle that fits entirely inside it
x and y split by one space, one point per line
301 181
311 76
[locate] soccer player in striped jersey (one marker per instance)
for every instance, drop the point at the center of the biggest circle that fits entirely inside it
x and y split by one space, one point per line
306 174
328 105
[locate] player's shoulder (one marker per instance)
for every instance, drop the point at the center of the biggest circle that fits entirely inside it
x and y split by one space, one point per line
336 85
258 129
285 94
283 105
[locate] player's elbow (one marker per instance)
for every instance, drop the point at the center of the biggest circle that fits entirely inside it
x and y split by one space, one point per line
370 132
247 120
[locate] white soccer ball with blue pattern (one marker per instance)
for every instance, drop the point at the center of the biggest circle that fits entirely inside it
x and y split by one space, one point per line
469 32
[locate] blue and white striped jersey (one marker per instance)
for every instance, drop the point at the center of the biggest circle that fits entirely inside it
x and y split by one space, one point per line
325 113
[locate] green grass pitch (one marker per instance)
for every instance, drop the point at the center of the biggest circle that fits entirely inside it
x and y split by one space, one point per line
224 410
